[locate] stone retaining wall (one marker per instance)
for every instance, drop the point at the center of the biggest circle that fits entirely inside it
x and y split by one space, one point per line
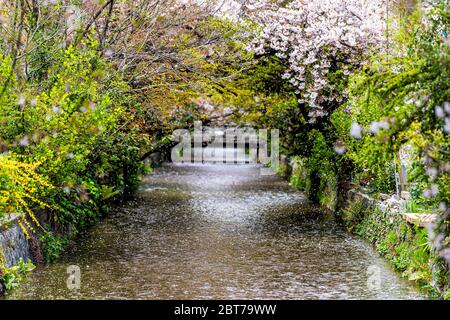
13 243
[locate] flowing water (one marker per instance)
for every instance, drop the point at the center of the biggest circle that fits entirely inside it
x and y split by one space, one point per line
218 231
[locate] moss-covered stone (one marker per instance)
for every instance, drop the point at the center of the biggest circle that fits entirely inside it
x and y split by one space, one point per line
404 245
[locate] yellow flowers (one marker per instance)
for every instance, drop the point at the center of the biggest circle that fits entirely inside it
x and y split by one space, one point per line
2 263
19 186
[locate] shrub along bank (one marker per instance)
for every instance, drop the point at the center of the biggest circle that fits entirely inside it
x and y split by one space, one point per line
68 148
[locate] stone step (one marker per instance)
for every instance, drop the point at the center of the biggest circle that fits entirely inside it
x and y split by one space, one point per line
420 219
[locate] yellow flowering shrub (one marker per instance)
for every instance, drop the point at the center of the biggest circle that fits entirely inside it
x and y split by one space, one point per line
20 188
2 263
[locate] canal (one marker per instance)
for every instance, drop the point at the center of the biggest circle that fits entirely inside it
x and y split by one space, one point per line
218 232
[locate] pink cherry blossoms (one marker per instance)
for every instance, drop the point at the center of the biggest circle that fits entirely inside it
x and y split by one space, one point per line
316 38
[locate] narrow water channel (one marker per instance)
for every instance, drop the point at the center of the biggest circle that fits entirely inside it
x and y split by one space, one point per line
218 231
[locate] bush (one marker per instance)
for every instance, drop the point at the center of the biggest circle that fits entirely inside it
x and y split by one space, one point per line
21 187
75 125
11 277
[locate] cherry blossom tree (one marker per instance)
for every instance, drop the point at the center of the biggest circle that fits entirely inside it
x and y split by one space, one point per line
321 42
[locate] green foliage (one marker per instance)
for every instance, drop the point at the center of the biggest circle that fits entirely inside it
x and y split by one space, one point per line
352 215
402 90
447 295
323 167
76 125
12 277
413 257
300 176
416 205
407 91
52 245
405 246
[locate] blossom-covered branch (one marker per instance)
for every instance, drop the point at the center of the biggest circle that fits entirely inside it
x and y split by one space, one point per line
316 39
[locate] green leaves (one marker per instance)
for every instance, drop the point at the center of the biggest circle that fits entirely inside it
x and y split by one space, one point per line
12 277
76 125
53 245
